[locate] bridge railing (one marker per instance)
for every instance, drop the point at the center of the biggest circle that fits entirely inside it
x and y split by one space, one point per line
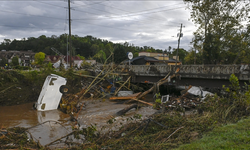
195 69
190 71
211 69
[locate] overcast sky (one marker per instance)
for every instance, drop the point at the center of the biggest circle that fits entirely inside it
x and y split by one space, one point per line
140 22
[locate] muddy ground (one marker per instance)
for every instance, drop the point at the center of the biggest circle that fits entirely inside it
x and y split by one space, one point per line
15 88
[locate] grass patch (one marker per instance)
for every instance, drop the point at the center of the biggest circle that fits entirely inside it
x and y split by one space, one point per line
231 136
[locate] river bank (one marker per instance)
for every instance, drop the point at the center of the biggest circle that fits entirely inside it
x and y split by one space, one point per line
167 130
19 87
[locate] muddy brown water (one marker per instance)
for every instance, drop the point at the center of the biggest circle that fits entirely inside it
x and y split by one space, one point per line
96 112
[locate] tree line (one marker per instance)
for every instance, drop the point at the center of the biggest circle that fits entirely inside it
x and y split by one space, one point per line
87 47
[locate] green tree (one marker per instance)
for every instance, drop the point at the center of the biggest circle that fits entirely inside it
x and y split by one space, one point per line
81 57
219 22
39 58
109 50
100 56
181 53
193 57
5 44
136 54
15 61
119 54
3 62
94 49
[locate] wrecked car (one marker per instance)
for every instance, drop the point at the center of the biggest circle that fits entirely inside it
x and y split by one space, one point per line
53 88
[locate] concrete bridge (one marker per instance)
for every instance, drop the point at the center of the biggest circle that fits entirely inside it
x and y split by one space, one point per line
198 75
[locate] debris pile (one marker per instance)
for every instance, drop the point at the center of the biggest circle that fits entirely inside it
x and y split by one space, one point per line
190 98
184 102
15 138
95 87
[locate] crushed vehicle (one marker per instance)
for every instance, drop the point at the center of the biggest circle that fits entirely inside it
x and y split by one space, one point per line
53 88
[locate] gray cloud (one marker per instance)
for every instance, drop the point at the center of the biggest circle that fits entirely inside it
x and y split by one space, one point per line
143 23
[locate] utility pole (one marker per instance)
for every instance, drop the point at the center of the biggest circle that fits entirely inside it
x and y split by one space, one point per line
180 34
67 51
163 55
194 55
70 42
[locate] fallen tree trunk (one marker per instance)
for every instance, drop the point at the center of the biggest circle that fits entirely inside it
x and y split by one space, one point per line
123 111
160 82
152 88
133 96
122 86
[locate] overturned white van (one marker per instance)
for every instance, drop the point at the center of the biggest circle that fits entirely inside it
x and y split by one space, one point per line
52 90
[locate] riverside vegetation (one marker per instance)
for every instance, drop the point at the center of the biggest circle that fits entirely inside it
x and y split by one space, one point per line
214 120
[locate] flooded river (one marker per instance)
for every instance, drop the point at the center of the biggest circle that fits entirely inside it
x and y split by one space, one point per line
95 113
25 116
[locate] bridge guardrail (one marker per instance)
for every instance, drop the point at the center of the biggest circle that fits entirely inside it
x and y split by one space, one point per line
192 71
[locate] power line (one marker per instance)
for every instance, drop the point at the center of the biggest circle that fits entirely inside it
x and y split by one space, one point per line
126 15
117 17
88 4
108 26
49 4
4 25
129 15
126 10
60 19
86 12
139 11
30 14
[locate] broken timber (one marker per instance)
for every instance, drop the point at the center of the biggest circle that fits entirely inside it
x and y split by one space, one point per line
136 98
133 96
122 85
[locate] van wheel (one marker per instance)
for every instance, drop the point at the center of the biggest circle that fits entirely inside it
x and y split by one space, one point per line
64 89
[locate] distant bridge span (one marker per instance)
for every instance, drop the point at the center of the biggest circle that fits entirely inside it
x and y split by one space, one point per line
198 75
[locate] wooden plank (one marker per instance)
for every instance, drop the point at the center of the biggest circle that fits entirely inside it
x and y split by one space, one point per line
143 102
132 96
122 85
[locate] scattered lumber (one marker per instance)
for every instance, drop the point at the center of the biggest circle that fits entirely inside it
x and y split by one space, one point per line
141 101
122 86
133 96
160 82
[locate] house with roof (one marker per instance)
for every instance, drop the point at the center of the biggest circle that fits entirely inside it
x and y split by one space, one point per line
143 60
162 57
52 59
25 58
159 56
76 60
57 60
